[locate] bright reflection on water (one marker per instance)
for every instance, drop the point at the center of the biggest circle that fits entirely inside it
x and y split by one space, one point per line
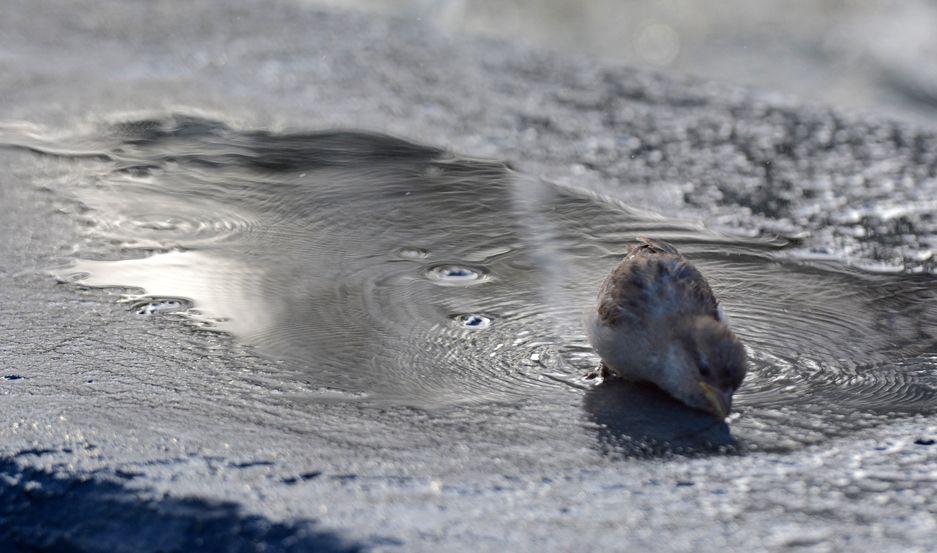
396 273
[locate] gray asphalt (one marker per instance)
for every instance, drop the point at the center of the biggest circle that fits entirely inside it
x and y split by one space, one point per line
128 433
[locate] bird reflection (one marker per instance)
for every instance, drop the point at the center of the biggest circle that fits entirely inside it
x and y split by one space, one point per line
640 420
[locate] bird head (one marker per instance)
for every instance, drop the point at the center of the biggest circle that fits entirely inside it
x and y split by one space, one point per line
706 364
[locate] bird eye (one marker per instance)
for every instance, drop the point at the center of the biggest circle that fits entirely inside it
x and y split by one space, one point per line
704 371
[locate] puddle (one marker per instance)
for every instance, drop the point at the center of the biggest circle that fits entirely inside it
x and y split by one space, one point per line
302 246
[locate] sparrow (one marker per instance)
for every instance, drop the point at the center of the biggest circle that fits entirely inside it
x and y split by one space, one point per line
658 321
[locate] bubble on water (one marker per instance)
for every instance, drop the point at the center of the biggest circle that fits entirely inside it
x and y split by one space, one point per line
456 275
474 321
658 44
413 253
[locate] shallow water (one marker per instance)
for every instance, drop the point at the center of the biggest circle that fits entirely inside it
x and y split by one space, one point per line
385 272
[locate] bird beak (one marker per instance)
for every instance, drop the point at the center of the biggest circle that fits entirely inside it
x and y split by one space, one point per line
721 402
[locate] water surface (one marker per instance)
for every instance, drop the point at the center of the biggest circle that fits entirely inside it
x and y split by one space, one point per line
382 271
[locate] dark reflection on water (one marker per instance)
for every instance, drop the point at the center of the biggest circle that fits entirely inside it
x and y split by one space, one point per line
392 272
640 420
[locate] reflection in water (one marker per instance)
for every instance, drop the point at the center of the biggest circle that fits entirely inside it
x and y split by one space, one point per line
639 419
399 273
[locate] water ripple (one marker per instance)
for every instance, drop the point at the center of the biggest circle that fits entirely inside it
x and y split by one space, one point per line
393 272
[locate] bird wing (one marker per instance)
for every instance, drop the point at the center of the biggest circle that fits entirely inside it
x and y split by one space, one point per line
624 294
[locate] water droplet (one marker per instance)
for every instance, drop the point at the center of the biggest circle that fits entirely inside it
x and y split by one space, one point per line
456 275
473 321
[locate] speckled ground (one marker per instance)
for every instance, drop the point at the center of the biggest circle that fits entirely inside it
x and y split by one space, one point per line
129 433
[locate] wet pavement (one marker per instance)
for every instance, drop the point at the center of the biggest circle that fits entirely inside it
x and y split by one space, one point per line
406 425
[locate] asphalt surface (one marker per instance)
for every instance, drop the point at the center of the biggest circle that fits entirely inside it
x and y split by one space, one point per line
127 433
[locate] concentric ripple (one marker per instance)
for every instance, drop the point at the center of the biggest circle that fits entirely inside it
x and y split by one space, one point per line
395 273
473 321
456 275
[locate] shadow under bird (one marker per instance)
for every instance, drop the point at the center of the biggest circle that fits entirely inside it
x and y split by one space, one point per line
658 321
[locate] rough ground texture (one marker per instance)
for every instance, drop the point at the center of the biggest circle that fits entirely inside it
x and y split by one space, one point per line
127 433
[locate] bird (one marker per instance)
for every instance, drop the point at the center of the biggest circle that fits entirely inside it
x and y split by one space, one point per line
657 320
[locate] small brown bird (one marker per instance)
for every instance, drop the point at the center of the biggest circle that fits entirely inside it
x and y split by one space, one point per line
658 321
